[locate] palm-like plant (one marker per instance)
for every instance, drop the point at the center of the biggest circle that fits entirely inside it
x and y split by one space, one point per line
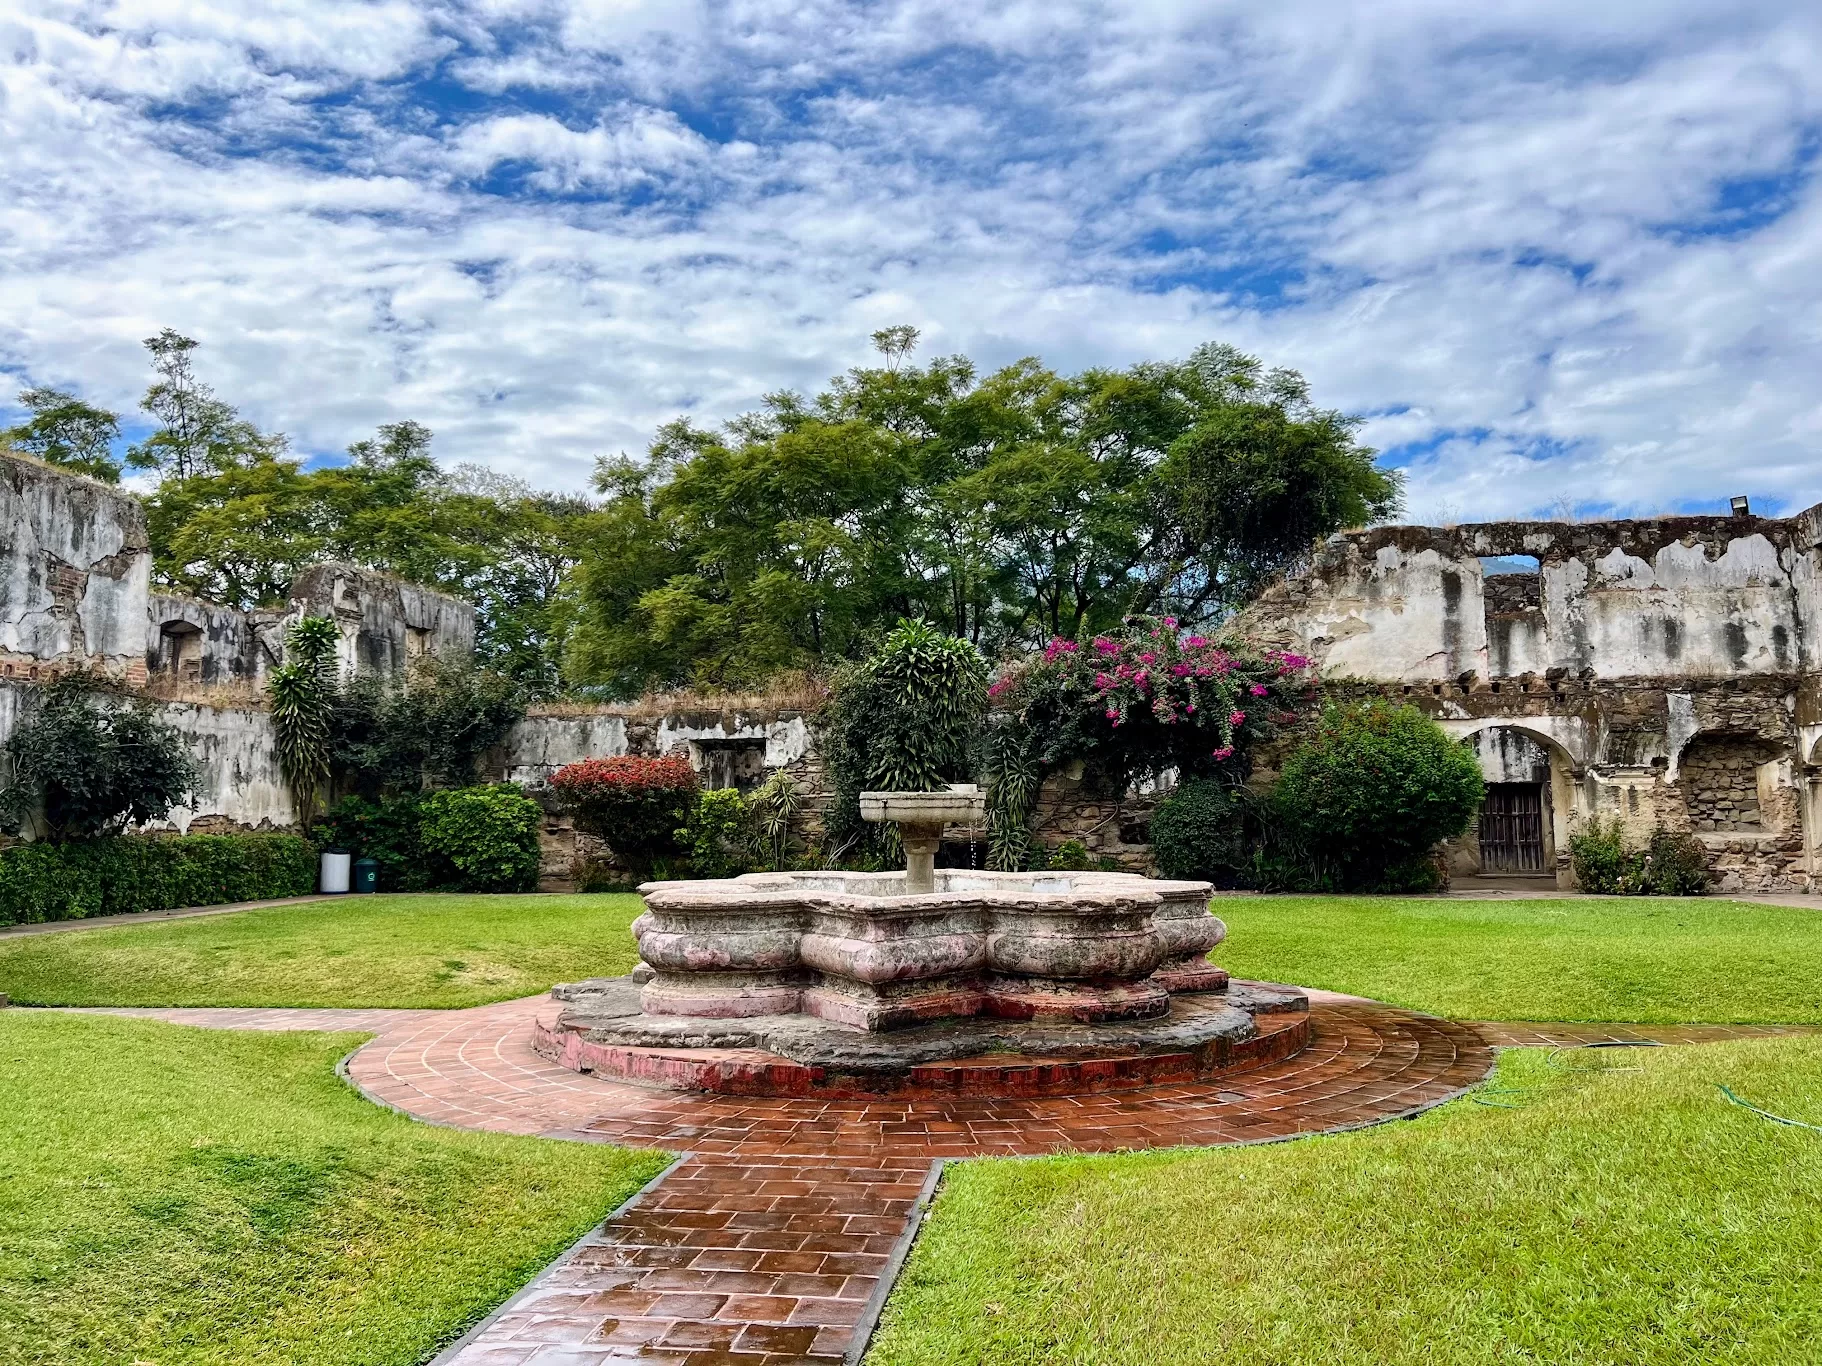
302 691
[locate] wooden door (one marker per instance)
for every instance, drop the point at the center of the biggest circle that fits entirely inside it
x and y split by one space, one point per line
1512 828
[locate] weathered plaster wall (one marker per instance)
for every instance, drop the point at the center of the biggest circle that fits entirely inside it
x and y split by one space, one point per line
241 786
385 622
191 641
1672 597
74 565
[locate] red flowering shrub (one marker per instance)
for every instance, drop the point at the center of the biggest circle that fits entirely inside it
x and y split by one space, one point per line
638 805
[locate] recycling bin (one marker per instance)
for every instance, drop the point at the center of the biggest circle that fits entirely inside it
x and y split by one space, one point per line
366 875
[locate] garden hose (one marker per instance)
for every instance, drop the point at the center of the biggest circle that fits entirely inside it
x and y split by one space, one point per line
1555 1059
1766 1114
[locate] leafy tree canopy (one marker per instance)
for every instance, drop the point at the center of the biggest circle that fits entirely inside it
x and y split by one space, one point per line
235 518
65 431
1006 509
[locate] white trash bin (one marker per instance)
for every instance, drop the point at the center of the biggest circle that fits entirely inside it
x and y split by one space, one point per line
335 872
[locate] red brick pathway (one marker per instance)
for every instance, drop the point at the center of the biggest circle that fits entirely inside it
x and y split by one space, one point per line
769 1243
775 1238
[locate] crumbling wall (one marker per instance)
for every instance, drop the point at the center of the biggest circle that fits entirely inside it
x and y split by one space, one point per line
385 622
1669 597
189 641
74 565
240 786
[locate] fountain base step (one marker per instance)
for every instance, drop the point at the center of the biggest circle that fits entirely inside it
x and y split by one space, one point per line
599 1029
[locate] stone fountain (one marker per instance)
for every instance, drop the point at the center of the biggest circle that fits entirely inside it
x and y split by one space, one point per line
933 979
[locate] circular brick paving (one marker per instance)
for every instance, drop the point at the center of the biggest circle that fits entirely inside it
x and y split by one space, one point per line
775 1242
475 1069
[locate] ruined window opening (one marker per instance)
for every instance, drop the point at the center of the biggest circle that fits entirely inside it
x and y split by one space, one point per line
182 652
738 762
417 642
1512 583
1436 690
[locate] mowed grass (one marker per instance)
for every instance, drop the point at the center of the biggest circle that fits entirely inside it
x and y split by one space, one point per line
432 951
1616 1216
175 1197
1647 960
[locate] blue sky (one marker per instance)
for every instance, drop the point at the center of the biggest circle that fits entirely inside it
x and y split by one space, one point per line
1561 255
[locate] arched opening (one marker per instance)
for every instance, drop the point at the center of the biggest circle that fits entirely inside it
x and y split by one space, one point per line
180 651
1513 834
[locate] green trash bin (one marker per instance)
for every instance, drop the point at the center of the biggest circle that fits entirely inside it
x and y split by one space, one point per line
366 875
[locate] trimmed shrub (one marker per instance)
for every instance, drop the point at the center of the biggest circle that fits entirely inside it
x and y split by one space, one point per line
1197 832
906 719
118 876
487 835
464 839
1668 865
1369 793
718 834
636 804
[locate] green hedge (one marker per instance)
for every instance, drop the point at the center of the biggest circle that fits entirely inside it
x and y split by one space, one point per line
40 882
463 839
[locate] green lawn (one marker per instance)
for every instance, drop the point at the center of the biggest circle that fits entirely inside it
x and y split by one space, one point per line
180 1196
362 951
1627 1216
1640 959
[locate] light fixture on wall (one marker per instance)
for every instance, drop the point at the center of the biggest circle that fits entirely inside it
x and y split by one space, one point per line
1741 508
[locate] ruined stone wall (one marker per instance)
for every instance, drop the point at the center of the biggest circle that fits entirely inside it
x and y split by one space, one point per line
1670 597
1667 668
74 565
192 642
385 622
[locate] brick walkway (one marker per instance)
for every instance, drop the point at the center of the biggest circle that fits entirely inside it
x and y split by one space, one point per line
776 1237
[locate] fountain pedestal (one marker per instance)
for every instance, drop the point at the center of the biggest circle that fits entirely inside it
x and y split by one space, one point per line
921 817
790 983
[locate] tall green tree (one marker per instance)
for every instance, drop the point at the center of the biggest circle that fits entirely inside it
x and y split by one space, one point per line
1005 509
195 432
65 431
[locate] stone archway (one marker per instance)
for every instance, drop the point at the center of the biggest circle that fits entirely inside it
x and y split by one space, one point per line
1533 775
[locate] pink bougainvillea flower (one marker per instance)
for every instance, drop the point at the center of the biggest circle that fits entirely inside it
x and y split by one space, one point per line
1171 622
1103 681
1196 642
1112 715
1257 690
1236 718
1148 658
1225 752
1180 670
1106 646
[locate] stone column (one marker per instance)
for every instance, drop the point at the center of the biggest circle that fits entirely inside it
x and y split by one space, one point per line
921 842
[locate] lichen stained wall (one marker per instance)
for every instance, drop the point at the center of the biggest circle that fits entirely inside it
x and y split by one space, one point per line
74 566
1667 668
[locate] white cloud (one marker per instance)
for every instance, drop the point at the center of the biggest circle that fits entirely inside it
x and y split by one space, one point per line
545 228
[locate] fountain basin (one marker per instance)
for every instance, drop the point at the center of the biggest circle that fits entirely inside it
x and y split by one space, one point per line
860 950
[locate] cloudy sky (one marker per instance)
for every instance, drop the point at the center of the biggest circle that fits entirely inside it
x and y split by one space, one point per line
1559 253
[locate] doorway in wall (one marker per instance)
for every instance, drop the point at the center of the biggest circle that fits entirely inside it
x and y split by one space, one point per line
1512 828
